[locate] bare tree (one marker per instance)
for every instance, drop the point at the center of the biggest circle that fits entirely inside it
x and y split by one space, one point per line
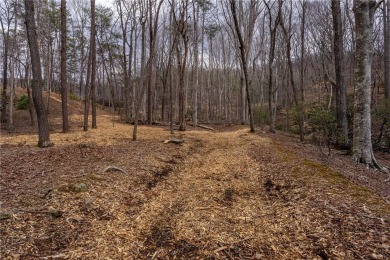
298 97
196 62
181 28
64 86
93 65
273 25
37 84
362 151
153 24
244 49
124 21
341 99
8 15
90 95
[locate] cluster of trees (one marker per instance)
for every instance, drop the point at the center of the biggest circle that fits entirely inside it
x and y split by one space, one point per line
236 61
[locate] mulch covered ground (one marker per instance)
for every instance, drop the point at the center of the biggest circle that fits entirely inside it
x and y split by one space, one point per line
226 194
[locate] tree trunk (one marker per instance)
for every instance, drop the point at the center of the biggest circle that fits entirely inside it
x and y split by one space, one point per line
182 54
37 83
30 103
64 86
5 74
271 92
93 65
362 146
196 63
244 62
341 99
141 92
386 34
150 67
298 101
123 25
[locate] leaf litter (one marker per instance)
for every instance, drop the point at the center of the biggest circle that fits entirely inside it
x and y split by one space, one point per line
226 194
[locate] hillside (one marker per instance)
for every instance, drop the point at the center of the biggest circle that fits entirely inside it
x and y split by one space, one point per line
224 194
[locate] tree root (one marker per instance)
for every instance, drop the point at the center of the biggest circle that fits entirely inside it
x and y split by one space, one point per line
376 165
373 164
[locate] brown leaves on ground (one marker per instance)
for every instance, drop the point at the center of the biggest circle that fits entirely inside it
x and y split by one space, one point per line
218 195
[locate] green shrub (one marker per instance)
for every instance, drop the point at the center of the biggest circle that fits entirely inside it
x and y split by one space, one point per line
322 123
261 116
23 102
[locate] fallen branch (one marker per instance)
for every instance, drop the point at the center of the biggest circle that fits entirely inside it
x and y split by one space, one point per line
206 127
113 169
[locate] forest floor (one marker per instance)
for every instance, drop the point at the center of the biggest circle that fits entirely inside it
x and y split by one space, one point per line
224 194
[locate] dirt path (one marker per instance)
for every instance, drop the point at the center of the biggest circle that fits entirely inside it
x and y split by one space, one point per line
220 195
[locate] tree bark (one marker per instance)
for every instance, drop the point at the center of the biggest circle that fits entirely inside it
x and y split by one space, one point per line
196 63
298 101
362 151
271 57
341 99
5 33
37 83
123 24
244 61
182 54
64 86
93 65
386 35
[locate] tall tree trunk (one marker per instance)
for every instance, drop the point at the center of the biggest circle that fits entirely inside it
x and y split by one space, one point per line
362 151
341 99
302 72
271 92
153 24
5 83
182 54
386 34
64 86
141 92
93 67
297 100
86 91
150 67
244 62
196 63
123 25
5 72
37 83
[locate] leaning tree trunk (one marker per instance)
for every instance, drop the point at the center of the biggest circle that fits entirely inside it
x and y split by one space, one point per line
43 126
362 146
244 63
